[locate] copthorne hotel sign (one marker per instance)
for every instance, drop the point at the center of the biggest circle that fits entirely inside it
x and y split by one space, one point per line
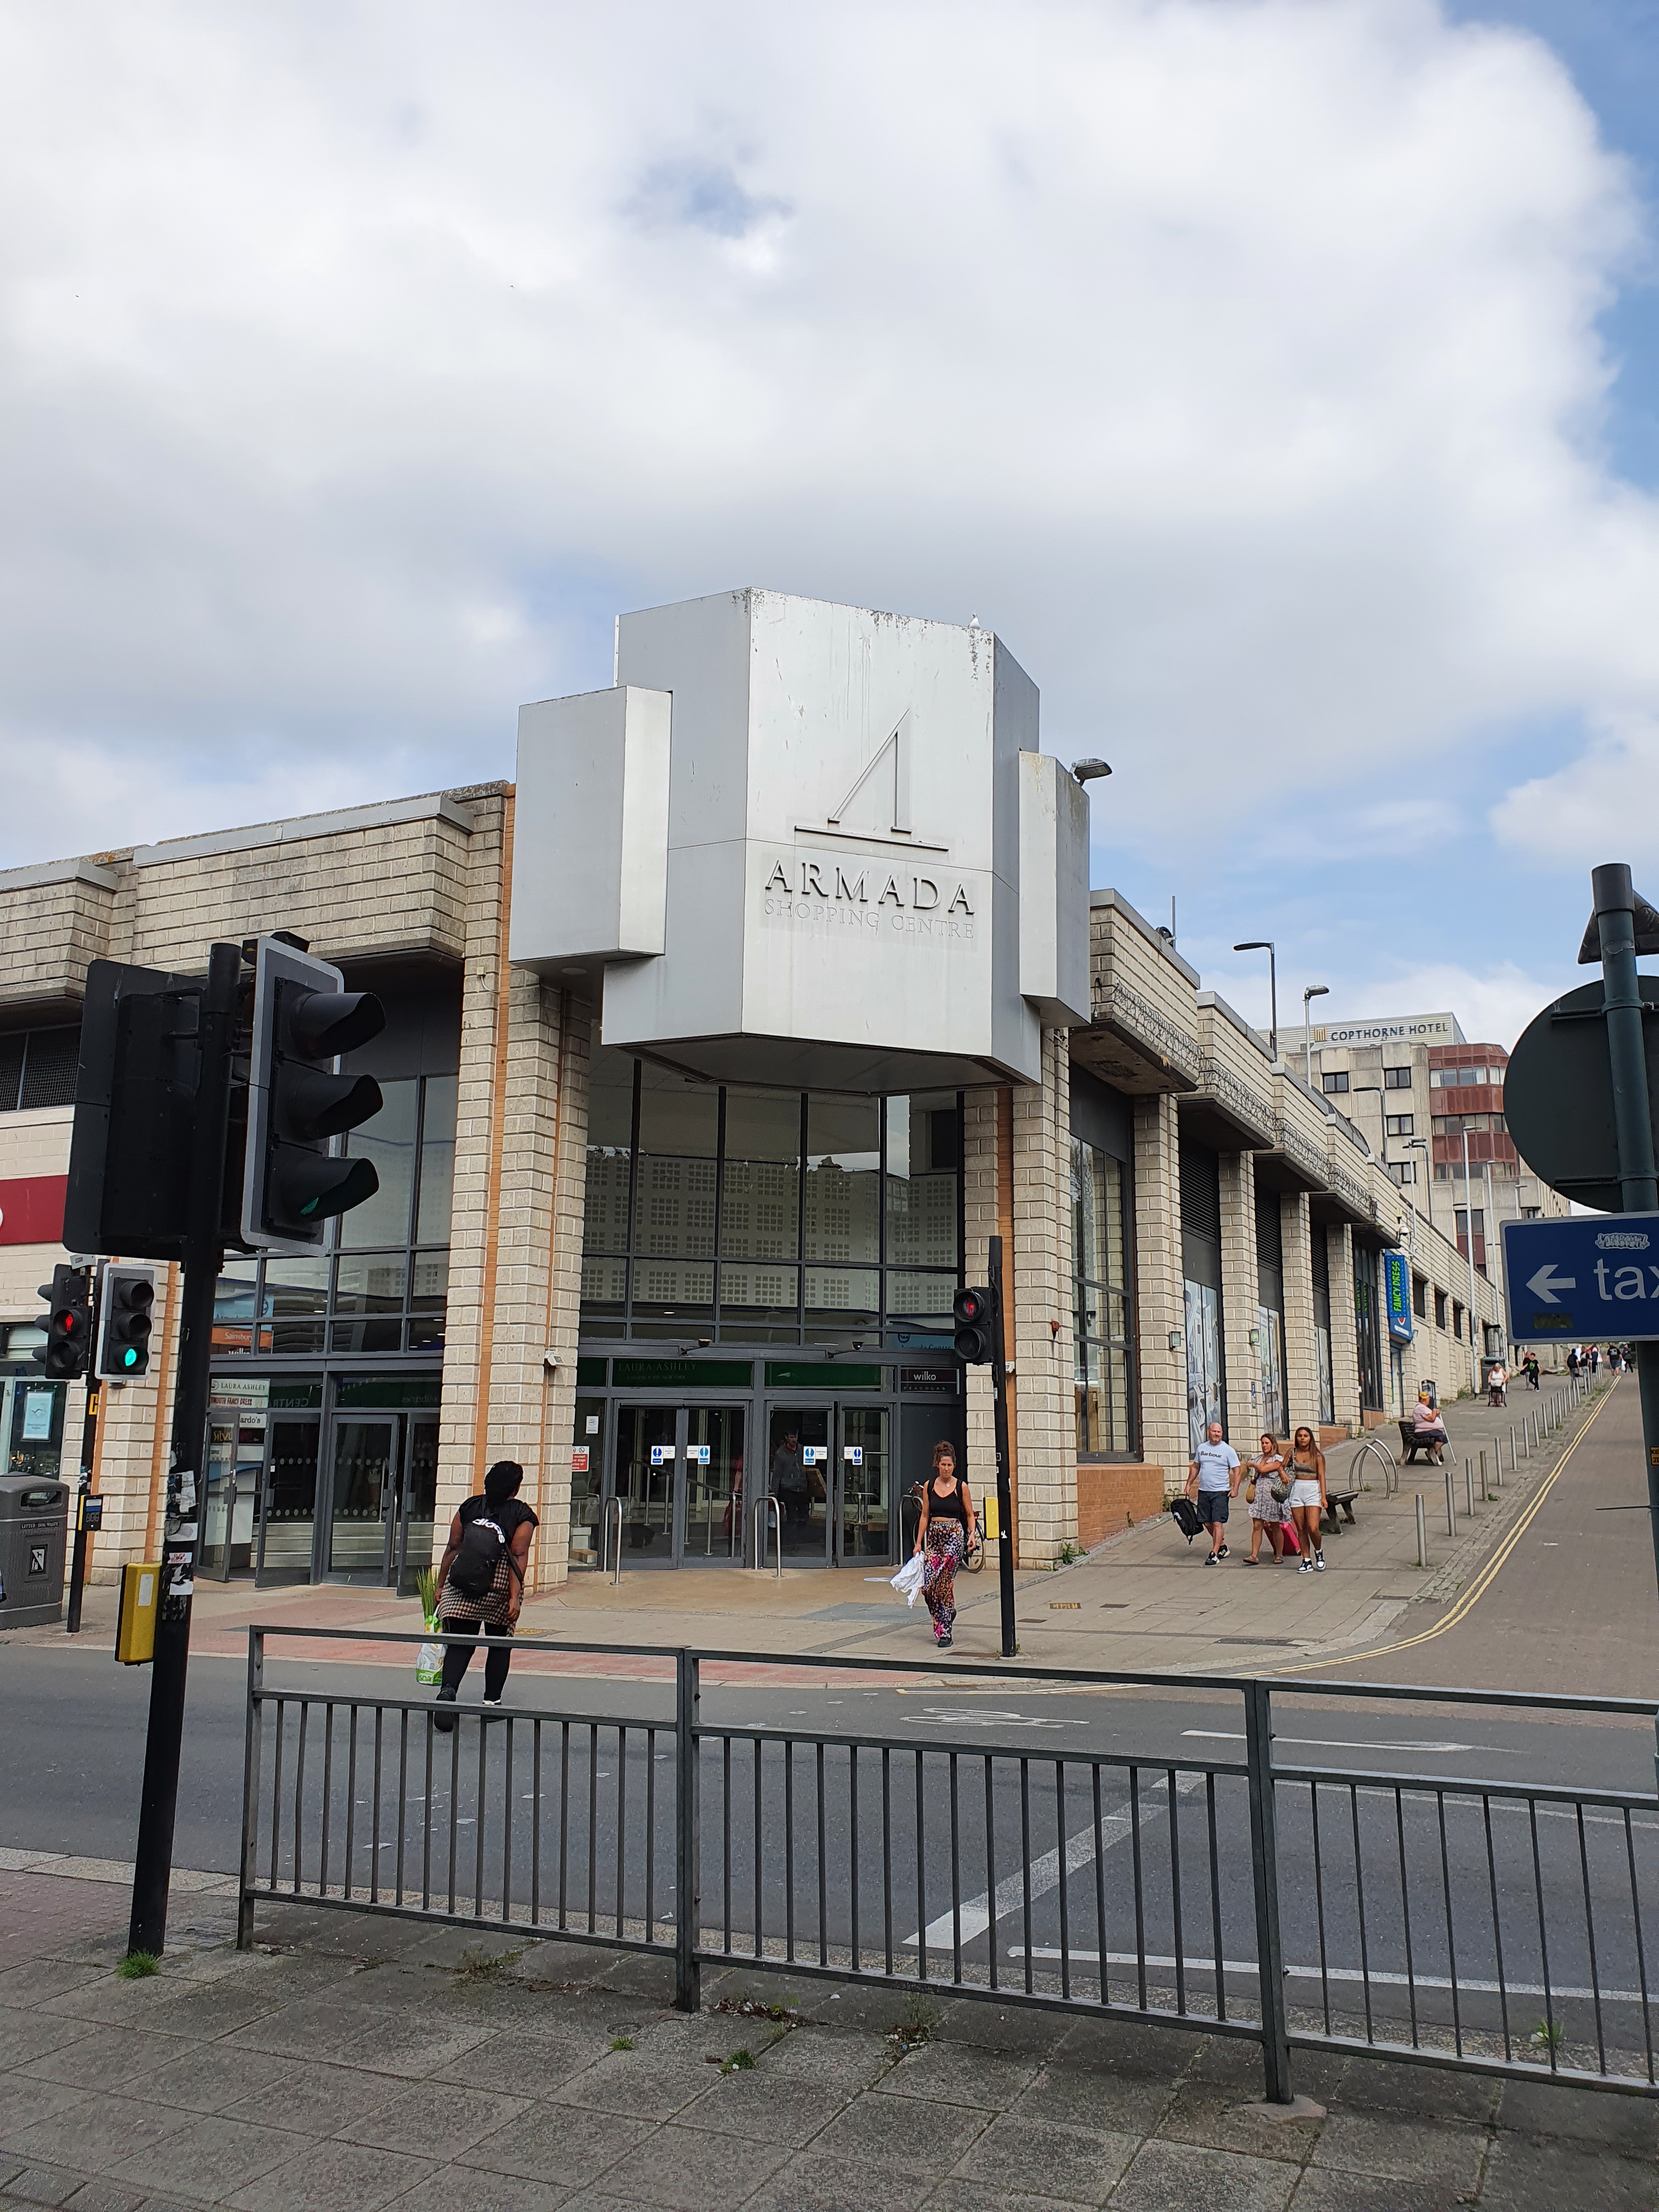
806 844
1398 1029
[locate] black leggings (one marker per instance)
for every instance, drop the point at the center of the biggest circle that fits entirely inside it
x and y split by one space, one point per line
458 1657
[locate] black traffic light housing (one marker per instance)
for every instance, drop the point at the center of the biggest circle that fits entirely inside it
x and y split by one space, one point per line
135 1137
126 1304
303 1020
977 1309
69 1328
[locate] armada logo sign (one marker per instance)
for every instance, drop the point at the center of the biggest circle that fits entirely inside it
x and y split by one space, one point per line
892 755
805 879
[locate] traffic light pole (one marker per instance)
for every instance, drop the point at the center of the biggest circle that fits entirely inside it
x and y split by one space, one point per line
88 1445
1639 1178
1004 1487
186 1499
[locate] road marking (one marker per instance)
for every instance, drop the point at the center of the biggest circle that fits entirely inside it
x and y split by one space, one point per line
1347 1743
1482 1581
975 1915
1191 1964
987 1720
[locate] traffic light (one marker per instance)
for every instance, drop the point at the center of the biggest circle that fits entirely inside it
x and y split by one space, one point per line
297 1102
123 1322
134 1140
69 1330
978 1316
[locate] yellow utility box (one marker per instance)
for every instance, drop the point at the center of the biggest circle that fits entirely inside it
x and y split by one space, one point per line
987 1510
134 1626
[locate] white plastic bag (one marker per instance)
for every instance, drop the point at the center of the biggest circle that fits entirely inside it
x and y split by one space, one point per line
908 1580
429 1659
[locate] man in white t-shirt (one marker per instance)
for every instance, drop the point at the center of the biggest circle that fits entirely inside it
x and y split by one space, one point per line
1213 1474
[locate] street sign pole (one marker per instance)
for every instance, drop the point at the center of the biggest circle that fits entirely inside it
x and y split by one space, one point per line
1638 1180
1004 1486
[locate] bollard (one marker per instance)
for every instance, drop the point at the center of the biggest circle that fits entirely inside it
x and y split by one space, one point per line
1452 1503
1468 1483
1422 1535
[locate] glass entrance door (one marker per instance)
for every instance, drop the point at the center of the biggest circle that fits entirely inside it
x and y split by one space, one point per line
417 1506
828 1467
643 1467
711 1457
288 1518
363 1488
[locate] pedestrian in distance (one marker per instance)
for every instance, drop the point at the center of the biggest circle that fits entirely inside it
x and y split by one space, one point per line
481 1582
1309 1499
1212 1479
942 1537
1497 1383
789 1483
1530 1368
1595 1360
1572 1361
1268 1511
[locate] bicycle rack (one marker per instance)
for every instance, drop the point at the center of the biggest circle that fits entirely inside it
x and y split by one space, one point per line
1391 1477
767 1509
614 1506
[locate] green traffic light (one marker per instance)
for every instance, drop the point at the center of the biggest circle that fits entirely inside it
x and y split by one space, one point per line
130 1357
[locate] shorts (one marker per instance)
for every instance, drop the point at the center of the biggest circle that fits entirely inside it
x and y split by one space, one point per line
1304 1492
1212 1504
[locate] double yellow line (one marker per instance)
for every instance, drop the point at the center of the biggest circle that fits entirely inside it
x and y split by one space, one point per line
1488 1574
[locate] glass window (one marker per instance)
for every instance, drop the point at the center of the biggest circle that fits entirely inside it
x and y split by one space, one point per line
1336 1081
610 1140
1396 1079
295 1298
924 1167
388 1139
234 1298
1100 1304
11 1073
843 1164
370 1283
760 1193
674 1195
438 1102
1401 1125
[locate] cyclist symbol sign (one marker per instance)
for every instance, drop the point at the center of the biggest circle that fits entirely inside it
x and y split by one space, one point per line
1583 1280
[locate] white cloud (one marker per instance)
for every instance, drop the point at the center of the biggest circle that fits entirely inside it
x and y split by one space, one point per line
1238 363
1493 1004
1603 807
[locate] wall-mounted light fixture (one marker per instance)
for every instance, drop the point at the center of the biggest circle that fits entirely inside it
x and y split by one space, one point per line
1175 1340
1256 1338
1085 771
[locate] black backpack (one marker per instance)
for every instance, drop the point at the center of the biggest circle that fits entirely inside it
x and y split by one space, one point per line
483 1547
1184 1513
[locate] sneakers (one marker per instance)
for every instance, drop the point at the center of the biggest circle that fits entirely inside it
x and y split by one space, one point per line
944 1643
1213 1560
444 1721
1303 1567
1318 1563
1223 1554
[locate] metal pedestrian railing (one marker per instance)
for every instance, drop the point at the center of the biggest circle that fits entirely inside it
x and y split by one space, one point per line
1503 1926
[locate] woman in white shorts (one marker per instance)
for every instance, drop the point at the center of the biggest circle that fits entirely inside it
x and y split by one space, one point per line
1307 1474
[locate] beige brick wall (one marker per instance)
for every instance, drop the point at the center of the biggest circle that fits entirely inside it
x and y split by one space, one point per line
48 932
1161 1302
1301 1349
1238 1297
1042 1278
1344 1335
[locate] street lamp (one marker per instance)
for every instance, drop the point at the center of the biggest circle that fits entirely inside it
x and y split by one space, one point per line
1469 1231
1265 945
1421 1144
1313 991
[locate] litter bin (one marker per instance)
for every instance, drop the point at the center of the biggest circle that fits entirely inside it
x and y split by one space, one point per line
33 1531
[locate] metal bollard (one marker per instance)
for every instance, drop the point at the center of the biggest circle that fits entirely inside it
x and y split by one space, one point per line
1422 1535
1468 1483
1451 1503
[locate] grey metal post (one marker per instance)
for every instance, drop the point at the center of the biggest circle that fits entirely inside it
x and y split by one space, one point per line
248 1862
1632 1116
1468 1483
1422 1535
688 1814
1451 1503
1264 1867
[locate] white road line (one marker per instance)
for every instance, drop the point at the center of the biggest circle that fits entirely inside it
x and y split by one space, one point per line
1043 1875
1349 1743
989 1720
1192 1963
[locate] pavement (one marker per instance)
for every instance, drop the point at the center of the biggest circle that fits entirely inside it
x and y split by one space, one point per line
1141 1600
348 2064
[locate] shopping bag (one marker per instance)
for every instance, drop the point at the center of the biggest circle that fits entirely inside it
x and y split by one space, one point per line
909 1578
429 1659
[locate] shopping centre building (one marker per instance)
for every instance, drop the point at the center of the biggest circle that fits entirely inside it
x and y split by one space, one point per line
718 1044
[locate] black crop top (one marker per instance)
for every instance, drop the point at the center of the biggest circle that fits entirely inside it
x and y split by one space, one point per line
940 1507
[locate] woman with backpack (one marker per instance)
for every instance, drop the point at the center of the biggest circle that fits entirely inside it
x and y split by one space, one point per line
481 1582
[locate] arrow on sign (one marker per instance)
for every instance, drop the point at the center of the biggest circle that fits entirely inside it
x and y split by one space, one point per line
1545 1283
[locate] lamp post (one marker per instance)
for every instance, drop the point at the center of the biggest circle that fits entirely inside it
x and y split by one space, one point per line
1469 1231
1421 1144
1265 945
1313 991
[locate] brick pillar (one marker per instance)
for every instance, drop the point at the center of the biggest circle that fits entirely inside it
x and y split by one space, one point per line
1345 1335
480 1138
1160 1303
1301 1351
1046 1441
1238 1299
979 1209
132 1453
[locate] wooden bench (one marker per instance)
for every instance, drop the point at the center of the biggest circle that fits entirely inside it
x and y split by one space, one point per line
1411 1443
1339 1503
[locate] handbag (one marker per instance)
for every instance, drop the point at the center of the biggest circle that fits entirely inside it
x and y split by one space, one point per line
1281 1488
908 1580
1250 1491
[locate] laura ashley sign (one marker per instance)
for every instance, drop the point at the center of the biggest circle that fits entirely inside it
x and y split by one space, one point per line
772 781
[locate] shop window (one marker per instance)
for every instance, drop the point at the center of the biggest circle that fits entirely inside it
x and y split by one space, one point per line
1101 1309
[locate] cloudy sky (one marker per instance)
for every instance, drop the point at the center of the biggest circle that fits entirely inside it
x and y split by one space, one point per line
1275 376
